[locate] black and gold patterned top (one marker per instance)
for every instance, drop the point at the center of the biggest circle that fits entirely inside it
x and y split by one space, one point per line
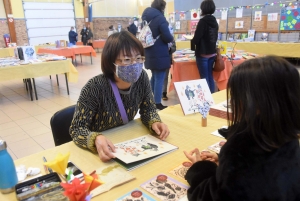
97 109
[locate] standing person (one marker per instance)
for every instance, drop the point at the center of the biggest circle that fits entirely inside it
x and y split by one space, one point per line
111 30
97 108
132 28
205 38
84 35
261 158
157 56
89 35
72 36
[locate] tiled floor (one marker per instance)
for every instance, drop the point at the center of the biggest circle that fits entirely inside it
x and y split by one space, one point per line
25 124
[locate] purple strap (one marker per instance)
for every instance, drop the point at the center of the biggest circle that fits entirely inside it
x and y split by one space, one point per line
119 101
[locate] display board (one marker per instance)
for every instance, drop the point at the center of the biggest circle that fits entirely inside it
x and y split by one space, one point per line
48 22
290 19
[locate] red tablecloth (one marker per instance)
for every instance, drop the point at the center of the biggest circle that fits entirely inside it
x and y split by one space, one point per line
69 51
96 43
187 70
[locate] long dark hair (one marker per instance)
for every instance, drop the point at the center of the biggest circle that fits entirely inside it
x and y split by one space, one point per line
159 5
264 95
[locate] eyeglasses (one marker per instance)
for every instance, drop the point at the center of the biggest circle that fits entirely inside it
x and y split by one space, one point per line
128 61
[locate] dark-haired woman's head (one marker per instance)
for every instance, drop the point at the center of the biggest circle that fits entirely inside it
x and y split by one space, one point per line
265 101
207 7
159 5
111 27
122 43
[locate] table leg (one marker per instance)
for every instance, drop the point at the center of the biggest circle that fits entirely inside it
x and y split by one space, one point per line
30 88
91 58
50 76
36 97
81 58
25 81
67 83
57 80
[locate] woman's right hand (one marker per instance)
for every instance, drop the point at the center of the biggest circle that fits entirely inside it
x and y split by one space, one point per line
209 156
105 148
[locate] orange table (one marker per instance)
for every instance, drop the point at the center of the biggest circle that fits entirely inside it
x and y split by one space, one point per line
66 52
187 70
99 43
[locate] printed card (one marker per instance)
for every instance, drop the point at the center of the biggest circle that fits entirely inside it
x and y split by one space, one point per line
165 188
135 195
181 170
217 147
216 132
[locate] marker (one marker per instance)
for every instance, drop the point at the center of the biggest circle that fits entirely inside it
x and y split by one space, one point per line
49 169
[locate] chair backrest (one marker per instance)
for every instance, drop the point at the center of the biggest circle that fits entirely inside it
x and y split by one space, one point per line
60 123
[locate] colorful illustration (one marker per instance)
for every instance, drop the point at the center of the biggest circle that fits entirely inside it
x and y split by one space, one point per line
257 15
194 96
141 148
165 188
290 19
272 16
251 33
135 195
217 147
181 170
239 24
182 16
194 25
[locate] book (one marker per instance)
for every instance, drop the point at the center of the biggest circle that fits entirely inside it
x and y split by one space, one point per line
139 151
220 110
194 96
165 188
135 195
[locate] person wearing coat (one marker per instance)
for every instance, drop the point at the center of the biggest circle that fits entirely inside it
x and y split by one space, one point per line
157 56
72 36
84 35
132 28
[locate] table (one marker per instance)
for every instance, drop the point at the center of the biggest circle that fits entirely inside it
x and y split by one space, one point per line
7 52
37 47
183 45
40 69
96 44
188 70
186 133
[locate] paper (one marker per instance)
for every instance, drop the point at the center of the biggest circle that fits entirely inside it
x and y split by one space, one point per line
181 170
165 188
223 47
239 24
272 16
224 15
135 195
239 12
59 164
194 96
177 25
216 132
257 15
195 15
171 18
182 16
251 33
141 148
218 21
217 146
290 19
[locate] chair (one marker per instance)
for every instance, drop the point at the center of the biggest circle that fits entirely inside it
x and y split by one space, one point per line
60 123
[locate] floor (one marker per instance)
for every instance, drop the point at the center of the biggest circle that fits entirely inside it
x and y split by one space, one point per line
25 124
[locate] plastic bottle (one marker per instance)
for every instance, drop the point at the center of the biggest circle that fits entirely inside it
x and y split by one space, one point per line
8 175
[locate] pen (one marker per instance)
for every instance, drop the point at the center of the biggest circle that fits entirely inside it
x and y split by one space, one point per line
49 169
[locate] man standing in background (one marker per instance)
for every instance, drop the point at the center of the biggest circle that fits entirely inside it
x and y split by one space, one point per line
132 28
72 36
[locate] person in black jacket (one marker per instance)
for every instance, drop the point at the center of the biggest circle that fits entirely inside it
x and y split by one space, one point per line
84 35
157 56
72 36
132 28
261 159
205 38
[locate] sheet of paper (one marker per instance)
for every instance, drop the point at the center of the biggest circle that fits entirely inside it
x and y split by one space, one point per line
181 170
239 24
136 195
216 132
239 12
257 15
272 16
217 146
224 15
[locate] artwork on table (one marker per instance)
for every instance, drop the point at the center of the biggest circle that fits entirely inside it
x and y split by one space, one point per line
135 195
165 188
224 15
264 36
239 12
182 16
217 146
194 96
181 170
239 24
290 19
257 15
171 18
177 25
251 33
28 53
195 15
237 36
272 16
244 35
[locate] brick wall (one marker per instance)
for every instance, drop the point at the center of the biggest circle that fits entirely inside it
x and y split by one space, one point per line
3 30
21 32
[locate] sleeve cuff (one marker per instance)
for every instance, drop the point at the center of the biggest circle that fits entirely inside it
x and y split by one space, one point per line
150 125
91 142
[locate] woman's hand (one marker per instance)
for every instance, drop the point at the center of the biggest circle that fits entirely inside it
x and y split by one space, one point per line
161 129
210 156
193 156
105 148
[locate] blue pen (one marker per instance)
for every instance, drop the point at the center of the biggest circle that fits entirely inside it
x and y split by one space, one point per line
49 169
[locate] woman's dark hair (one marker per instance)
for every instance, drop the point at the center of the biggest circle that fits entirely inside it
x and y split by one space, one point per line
265 101
111 26
207 7
159 5
117 42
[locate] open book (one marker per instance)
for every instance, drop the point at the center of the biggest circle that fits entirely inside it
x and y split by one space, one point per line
139 151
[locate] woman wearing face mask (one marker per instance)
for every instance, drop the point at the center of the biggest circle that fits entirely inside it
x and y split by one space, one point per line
98 108
84 35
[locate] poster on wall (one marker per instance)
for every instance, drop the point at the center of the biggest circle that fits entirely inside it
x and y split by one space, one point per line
272 16
257 15
171 18
239 12
290 19
177 25
182 16
224 15
239 24
195 15
251 33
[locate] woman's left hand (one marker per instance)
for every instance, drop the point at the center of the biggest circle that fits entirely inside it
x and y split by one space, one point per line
193 156
161 129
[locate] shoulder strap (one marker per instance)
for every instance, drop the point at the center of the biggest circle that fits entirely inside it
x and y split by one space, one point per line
119 101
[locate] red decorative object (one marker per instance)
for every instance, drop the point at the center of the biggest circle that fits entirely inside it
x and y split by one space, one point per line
76 191
296 13
283 17
136 194
195 15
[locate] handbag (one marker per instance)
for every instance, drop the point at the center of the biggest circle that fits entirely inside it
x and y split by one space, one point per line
219 62
119 102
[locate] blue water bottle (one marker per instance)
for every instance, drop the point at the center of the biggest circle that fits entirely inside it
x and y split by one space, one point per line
8 175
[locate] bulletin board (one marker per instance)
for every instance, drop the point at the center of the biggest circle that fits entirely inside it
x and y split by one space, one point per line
290 19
